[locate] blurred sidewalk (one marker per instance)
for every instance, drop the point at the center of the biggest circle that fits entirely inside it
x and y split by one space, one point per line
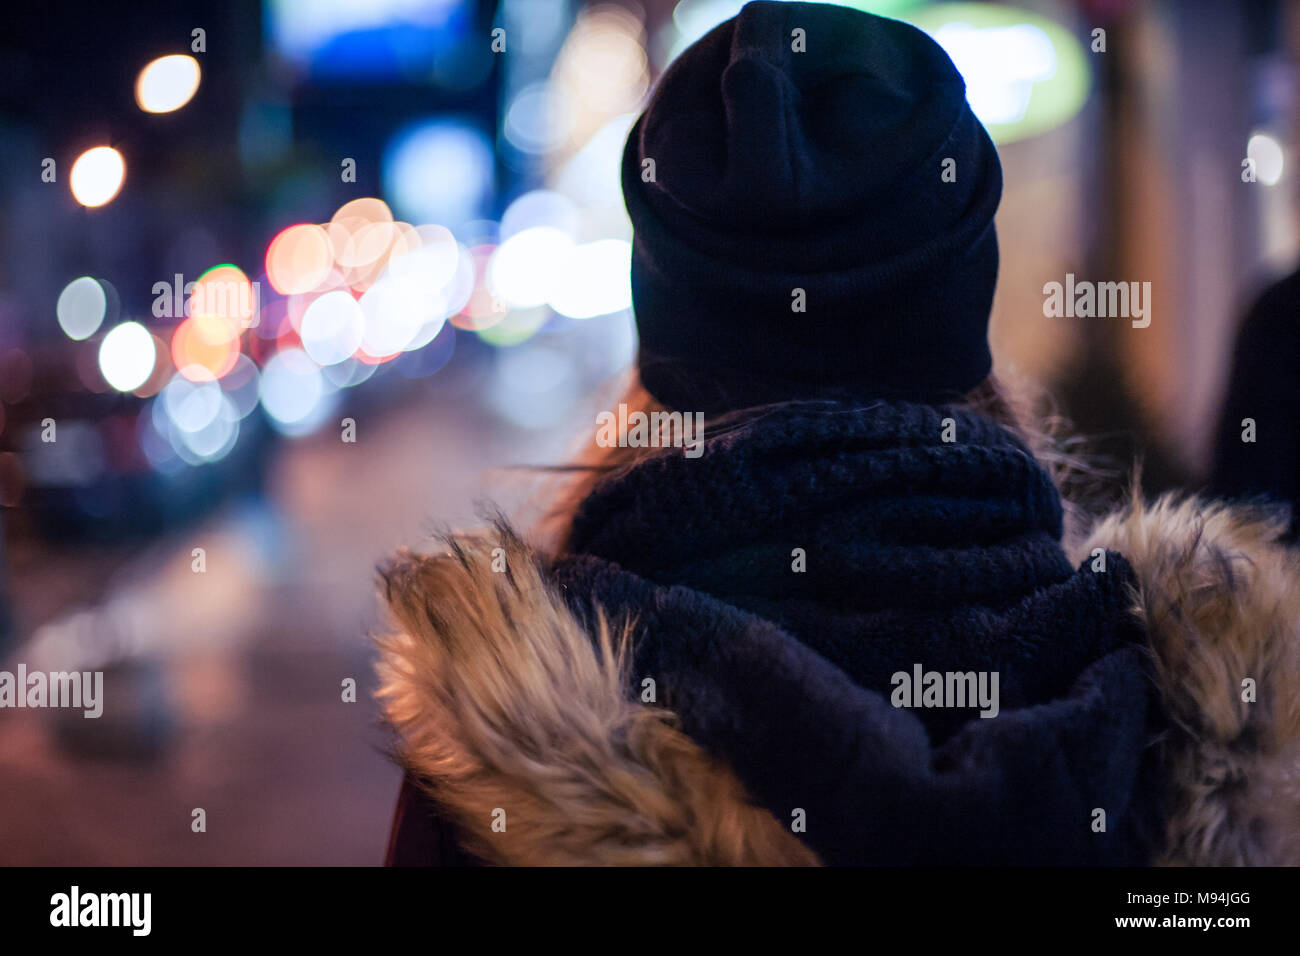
246 659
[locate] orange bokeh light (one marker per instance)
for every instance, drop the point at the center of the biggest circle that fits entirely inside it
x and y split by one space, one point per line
224 292
299 259
362 233
205 347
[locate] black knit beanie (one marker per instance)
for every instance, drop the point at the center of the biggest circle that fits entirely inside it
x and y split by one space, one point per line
801 232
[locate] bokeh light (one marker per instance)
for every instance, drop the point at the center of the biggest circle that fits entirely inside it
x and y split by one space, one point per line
594 279
1024 73
523 269
540 207
224 292
199 420
517 327
432 255
348 373
162 370
361 233
299 258
81 308
397 308
97 175
167 83
590 177
241 385
205 347
431 357
483 308
190 405
1268 158
440 171
293 392
214 440
603 68
538 119
332 328
126 356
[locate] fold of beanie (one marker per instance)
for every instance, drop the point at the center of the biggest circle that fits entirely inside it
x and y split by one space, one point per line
798 237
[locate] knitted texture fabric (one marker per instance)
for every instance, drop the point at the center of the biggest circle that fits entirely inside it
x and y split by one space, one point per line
915 552
812 202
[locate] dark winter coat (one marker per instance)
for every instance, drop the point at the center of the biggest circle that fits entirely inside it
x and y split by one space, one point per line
715 672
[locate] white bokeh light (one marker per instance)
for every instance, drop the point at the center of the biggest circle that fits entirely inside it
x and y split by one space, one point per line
167 83
293 392
81 308
127 356
97 176
523 269
332 328
191 406
594 279
1266 153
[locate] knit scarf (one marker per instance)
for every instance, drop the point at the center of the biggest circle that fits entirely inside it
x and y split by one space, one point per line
781 582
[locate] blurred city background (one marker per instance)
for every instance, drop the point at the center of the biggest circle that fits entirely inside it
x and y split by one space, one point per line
287 284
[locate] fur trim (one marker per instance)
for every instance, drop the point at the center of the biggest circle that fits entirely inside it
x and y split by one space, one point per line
1220 598
504 703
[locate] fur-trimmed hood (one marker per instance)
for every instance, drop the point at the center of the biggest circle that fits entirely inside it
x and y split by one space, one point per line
1220 600
516 715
